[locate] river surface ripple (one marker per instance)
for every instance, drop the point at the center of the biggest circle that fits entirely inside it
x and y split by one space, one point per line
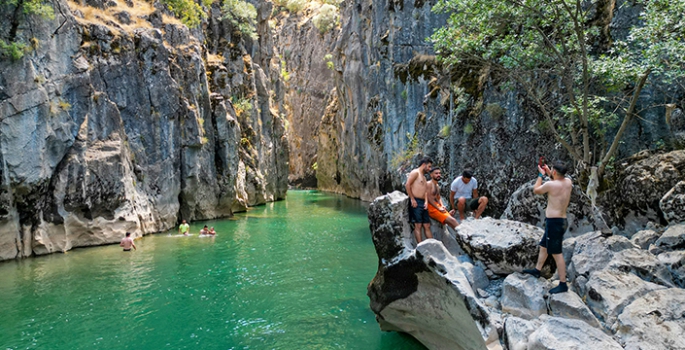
286 275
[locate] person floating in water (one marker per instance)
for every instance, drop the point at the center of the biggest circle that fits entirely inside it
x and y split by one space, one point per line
558 196
127 243
204 231
184 228
211 231
436 209
464 190
417 189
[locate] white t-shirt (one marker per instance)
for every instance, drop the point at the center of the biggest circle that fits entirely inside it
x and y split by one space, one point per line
463 190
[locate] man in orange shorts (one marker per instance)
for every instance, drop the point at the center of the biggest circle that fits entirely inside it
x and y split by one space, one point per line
436 210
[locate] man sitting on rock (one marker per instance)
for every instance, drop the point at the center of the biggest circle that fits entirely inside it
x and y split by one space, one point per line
416 190
558 196
436 210
464 190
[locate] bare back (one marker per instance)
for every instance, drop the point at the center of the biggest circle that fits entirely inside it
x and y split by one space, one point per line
417 181
558 197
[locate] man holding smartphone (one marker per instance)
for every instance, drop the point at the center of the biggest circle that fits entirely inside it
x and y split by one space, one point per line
558 197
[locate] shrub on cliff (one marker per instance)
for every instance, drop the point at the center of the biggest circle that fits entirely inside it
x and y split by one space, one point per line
188 11
242 15
326 19
295 6
583 79
11 46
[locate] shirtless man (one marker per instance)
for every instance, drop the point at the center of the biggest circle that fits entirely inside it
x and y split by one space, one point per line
558 196
416 189
204 231
436 210
127 243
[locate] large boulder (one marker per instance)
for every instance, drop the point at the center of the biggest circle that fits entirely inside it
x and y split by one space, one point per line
643 264
503 246
675 261
556 333
673 204
523 296
672 239
424 291
645 238
525 206
609 292
654 321
517 330
593 252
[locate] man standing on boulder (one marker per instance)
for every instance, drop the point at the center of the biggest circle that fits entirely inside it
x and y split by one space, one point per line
464 190
558 196
436 210
416 187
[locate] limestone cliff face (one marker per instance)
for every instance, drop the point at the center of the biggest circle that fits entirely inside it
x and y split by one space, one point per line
112 124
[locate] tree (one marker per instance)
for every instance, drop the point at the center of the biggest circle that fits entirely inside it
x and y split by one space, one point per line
562 55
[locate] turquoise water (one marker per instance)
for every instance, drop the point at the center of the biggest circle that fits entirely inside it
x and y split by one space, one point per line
287 275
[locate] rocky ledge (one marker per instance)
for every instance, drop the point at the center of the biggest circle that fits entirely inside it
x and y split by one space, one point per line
464 289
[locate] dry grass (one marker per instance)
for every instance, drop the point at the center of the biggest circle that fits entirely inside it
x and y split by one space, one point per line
92 15
215 58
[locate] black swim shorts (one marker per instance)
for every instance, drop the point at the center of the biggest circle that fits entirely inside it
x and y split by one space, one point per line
418 215
554 234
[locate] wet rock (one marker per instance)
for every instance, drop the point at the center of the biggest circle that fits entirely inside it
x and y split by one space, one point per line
672 239
523 296
503 246
570 305
525 206
644 238
673 204
654 321
556 333
609 292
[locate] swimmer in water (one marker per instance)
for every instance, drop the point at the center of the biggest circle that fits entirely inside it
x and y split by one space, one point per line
127 243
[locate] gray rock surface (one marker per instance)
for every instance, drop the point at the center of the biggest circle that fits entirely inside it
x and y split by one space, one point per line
672 239
503 246
609 292
644 238
517 331
643 264
570 305
523 296
675 261
654 321
593 252
556 333
673 204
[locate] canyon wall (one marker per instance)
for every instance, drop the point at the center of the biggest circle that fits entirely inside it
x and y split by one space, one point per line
120 119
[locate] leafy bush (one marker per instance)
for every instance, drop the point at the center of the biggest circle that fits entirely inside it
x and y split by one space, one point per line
13 50
295 6
188 11
242 15
241 105
326 19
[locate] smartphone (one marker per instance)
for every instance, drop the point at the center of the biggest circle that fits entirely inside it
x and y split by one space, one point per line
541 162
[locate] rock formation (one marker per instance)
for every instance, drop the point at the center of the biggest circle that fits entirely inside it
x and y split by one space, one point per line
621 295
123 125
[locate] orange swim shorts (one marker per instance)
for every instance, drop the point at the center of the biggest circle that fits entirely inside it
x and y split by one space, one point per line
436 214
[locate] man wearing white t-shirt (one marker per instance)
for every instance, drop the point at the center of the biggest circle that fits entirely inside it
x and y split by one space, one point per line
464 190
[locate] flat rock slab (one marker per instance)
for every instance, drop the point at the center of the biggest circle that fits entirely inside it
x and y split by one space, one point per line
654 321
592 252
523 296
558 333
673 238
642 264
503 246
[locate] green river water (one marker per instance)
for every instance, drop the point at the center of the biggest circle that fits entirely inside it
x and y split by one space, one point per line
287 275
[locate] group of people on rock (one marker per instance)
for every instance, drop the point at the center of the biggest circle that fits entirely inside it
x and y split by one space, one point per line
183 229
426 203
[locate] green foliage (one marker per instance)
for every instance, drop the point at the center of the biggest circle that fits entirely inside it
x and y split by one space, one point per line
284 72
188 11
241 105
444 132
468 129
328 58
333 2
295 6
242 15
13 50
326 19
315 166
410 151
404 94
582 81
